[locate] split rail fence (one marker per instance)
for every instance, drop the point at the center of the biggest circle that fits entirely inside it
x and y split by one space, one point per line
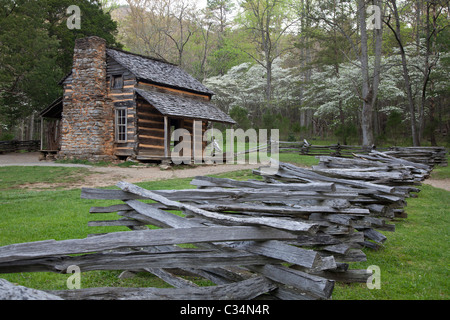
428 155
290 235
16 145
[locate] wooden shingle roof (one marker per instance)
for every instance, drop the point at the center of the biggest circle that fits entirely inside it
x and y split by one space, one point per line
53 110
182 106
158 72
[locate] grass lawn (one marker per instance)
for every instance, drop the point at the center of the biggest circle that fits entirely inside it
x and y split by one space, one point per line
413 263
441 172
415 258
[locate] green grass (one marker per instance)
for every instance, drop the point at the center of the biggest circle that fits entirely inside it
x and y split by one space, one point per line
413 262
441 172
415 258
13 177
300 160
122 164
28 216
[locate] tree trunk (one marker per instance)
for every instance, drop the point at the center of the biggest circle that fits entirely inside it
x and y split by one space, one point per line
412 108
31 127
378 35
269 82
432 119
426 73
366 95
429 52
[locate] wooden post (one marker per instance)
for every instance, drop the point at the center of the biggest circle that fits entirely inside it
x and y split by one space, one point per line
42 133
166 137
198 141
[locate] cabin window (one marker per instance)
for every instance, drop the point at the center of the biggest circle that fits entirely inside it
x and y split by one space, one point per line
121 125
116 82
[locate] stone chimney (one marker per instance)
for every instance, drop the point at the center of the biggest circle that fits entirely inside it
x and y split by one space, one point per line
87 119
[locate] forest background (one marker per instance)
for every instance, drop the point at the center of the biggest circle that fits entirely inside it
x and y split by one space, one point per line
352 71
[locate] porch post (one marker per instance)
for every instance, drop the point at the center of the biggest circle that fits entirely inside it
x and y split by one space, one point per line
42 133
198 141
166 137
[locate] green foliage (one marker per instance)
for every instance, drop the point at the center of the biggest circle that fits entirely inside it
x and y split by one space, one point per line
94 22
37 50
226 56
27 60
393 126
240 115
272 120
6 136
346 131
311 47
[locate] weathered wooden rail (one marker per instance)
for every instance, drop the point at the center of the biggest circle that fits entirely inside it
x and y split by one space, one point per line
16 145
335 150
430 156
290 235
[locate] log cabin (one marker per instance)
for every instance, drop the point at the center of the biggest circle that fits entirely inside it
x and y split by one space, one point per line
117 105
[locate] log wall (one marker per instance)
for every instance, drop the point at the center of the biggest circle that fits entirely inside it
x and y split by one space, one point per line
123 98
150 130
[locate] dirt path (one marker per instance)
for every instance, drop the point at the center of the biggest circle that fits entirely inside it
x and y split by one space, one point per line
30 159
439 183
109 176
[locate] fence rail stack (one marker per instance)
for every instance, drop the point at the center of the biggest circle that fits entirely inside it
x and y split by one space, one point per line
290 235
335 150
432 156
428 155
